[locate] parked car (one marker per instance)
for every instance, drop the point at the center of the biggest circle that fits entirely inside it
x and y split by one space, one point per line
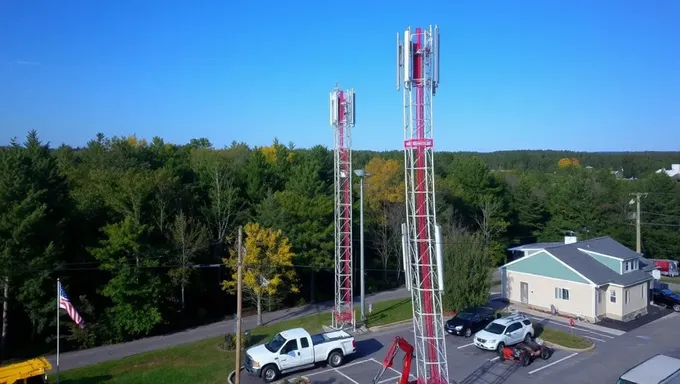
659 369
508 330
667 298
295 349
469 321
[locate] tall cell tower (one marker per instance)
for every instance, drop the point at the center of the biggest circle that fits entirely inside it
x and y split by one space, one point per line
342 117
418 69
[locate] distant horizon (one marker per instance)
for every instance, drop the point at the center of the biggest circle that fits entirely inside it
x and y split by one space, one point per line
286 143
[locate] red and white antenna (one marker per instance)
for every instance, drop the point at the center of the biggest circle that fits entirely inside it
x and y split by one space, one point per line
342 118
418 71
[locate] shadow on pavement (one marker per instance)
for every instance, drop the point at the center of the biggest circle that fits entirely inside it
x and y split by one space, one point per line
366 348
87 380
308 309
330 380
653 313
491 372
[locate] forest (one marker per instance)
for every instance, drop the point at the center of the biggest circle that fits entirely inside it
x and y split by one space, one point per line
143 235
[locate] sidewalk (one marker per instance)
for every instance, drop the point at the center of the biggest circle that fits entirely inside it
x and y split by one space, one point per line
579 324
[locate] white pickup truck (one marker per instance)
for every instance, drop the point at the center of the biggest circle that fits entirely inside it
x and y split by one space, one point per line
295 349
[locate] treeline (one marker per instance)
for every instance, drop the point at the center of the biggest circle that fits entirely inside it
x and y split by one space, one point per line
143 234
630 164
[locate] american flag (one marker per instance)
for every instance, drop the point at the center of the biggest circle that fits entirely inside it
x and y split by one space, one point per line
65 303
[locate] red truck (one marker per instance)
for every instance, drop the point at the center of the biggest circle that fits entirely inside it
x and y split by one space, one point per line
667 267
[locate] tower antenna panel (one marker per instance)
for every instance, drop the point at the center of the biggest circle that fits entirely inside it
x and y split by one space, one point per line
419 71
342 118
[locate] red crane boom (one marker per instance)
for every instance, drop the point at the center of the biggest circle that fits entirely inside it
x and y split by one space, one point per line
407 348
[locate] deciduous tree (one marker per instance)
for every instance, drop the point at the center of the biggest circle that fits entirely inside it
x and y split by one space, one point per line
268 263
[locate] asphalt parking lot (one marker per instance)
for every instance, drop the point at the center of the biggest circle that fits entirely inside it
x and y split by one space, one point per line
467 363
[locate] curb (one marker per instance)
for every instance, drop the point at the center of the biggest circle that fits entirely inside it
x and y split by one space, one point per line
561 347
390 325
230 378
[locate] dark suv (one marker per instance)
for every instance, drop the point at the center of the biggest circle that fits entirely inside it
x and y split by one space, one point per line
667 298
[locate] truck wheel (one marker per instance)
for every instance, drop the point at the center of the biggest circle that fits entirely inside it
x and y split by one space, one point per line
676 307
500 346
525 360
527 338
545 354
335 359
270 373
468 332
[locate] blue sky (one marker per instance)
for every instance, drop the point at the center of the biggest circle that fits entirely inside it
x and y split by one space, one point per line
581 75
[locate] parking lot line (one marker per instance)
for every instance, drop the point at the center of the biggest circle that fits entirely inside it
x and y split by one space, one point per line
392 369
344 366
570 327
594 338
553 363
495 358
466 345
346 377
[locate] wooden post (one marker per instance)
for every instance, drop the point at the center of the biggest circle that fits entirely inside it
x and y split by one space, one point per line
239 292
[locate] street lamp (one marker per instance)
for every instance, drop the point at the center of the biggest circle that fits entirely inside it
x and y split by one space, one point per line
361 174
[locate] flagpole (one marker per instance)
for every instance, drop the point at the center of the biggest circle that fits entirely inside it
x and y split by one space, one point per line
58 283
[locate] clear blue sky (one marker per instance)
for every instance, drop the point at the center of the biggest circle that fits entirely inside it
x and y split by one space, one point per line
582 75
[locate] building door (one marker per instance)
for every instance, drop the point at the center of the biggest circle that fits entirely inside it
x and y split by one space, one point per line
524 292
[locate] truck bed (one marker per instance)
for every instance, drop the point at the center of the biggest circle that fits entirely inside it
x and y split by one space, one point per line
321 338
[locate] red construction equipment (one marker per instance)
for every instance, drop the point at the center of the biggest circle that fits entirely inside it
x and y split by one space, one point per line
389 359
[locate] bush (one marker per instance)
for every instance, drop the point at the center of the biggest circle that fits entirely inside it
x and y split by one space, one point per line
229 343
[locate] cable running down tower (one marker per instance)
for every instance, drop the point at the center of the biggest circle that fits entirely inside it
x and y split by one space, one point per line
418 72
342 118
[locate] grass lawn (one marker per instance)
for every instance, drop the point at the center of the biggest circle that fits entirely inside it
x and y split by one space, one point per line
389 311
564 339
672 280
203 361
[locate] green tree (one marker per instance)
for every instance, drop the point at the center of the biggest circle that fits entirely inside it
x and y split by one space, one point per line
466 269
189 237
133 288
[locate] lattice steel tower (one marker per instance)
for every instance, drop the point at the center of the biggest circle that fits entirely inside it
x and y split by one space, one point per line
418 71
342 117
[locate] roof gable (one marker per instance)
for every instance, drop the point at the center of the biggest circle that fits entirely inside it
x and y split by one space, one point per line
544 264
607 246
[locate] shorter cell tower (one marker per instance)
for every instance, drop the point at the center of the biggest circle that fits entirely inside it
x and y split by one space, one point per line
418 72
342 118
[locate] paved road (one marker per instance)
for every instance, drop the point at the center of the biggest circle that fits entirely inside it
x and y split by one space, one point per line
76 359
467 364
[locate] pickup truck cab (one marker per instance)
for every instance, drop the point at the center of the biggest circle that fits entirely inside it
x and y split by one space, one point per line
295 349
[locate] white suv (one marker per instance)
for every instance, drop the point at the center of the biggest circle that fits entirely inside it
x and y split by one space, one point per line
508 330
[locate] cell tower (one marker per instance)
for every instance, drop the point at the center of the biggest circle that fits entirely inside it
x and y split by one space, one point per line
418 69
342 117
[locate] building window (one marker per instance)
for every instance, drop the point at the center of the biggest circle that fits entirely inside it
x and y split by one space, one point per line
626 296
627 265
612 296
562 293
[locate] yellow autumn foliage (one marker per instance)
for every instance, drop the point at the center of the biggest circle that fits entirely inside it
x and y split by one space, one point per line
268 262
385 184
566 162
134 142
270 153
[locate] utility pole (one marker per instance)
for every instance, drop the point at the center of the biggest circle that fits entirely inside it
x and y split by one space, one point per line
638 233
239 295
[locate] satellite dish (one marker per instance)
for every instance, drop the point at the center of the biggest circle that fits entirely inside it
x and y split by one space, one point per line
656 274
